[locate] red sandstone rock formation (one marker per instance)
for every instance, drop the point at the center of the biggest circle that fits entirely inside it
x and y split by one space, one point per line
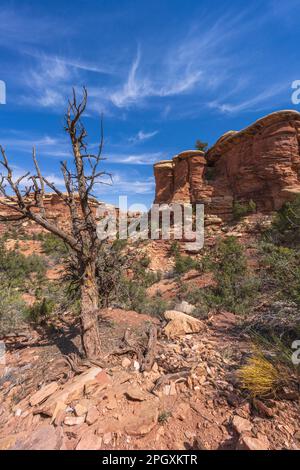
259 163
54 206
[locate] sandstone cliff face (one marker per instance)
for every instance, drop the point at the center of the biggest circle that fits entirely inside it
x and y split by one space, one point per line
259 163
56 211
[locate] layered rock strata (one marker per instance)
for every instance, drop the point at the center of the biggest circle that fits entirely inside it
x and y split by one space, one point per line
260 163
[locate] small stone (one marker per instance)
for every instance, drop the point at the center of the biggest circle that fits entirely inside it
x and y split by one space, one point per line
166 390
80 410
241 424
262 408
93 388
297 435
126 363
74 420
144 419
92 415
7 442
18 412
199 444
43 393
185 307
107 438
289 394
252 443
136 365
137 394
89 441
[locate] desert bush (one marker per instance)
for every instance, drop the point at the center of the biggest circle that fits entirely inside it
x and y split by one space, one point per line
114 287
110 267
53 246
241 209
16 269
133 296
174 248
279 319
285 228
41 310
156 306
236 286
201 145
183 264
13 311
280 271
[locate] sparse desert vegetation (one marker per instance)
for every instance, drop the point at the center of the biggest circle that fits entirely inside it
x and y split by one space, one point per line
141 342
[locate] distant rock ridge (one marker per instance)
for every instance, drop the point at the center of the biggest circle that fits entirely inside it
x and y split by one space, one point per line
56 210
259 163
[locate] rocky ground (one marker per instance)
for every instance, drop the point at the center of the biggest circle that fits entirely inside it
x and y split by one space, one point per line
189 400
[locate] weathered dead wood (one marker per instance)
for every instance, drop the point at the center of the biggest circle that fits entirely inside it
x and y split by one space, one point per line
27 202
150 353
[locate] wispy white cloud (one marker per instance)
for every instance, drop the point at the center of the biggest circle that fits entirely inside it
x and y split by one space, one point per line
135 159
141 136
48 83
139 86
59 147
19 142
255 102
70 62
122 185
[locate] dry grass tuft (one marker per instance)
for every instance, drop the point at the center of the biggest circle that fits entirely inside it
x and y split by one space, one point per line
259 376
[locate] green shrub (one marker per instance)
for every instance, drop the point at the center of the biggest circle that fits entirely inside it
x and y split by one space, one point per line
280 271
156 306
53 245
119 244
183 264
285 228
41 310
240 209
236 287
174 248
13 311
200 145
15 268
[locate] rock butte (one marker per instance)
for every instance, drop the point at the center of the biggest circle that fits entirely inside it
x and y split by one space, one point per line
259 163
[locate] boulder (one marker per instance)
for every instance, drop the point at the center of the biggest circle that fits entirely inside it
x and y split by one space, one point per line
185 307
181 324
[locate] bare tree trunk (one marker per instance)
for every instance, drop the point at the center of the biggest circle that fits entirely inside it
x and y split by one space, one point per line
89 319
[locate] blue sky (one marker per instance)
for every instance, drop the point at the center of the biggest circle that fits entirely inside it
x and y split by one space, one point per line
164 73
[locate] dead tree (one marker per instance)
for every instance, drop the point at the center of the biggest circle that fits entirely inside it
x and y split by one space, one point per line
80 179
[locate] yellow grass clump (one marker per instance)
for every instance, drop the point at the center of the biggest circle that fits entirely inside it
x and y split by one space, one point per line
259 376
